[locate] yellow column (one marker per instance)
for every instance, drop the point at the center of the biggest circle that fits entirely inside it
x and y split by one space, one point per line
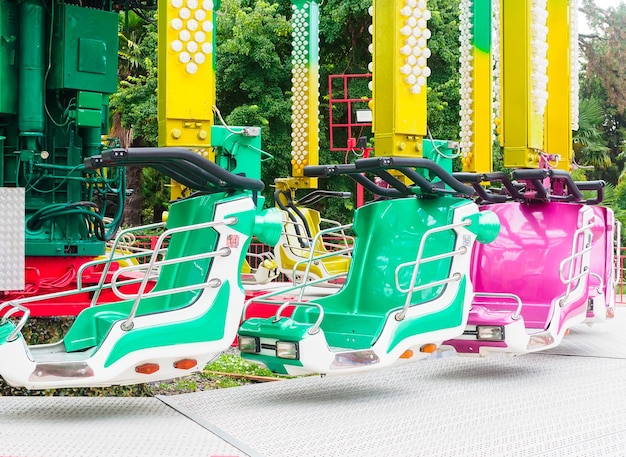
524 80
558 128
476 77
186 73
400 70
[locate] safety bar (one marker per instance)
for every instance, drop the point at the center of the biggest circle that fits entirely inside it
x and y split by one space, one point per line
534 177
12 309
129 322
597 186
406 165
379 167
518 312
575 255
108 262
182 160
421 260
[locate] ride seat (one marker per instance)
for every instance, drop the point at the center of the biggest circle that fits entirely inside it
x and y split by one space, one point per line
388 233
333 265
525 258
93 324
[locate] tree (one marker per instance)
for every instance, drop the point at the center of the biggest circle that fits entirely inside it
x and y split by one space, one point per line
134 114
604 52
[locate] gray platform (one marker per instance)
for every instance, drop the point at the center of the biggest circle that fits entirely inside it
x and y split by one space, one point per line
568 401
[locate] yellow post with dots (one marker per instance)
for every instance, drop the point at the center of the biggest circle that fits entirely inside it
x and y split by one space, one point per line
186 85
524 80
476 86
400 72
305 92
558 122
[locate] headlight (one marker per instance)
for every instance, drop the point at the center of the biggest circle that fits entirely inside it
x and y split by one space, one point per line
490 332
286 350
249 344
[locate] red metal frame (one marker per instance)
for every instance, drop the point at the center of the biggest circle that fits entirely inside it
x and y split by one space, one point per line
351 125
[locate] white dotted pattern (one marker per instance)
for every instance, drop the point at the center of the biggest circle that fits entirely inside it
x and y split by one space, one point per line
495 56
415 34
574 63
193 45
538 59
466 29
300 86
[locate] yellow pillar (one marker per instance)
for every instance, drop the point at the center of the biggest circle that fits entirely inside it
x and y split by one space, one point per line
558 128
524 93
400 70
476 86
186 73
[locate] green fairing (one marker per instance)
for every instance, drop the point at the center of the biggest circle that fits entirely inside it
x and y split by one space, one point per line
482 25
208 327
388 233
5 331
92 325
451 316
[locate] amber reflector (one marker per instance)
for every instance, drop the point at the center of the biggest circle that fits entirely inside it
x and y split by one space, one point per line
147 368
185 364
428 348
407 354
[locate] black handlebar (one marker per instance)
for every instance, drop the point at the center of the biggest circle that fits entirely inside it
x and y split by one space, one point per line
379 166
188 168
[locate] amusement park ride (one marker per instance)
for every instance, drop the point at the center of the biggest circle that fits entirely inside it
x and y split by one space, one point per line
479 261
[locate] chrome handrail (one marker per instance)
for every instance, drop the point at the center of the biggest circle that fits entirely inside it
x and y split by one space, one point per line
312 257
107 266
128 324
518 312
575 254
421 260
14 308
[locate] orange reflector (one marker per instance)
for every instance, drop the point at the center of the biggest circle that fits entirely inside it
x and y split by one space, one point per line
567 331
407 354
428 348
185 364
147 368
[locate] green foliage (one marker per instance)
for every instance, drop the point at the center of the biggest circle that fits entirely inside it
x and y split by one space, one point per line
603 84
232 363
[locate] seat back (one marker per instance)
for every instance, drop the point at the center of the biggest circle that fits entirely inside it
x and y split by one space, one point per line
295 246
526 258
92 323
389 233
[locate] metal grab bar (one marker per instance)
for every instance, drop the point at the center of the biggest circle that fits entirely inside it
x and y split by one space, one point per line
575 255
14 308
109 261
420 260
313 330
601 285
129 322
316 239
518 312
343 239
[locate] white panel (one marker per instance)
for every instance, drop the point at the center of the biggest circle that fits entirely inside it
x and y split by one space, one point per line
11 238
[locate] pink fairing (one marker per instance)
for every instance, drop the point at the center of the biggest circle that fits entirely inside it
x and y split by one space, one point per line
528 260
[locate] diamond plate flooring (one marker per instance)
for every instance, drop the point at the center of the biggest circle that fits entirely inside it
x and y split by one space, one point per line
570 401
